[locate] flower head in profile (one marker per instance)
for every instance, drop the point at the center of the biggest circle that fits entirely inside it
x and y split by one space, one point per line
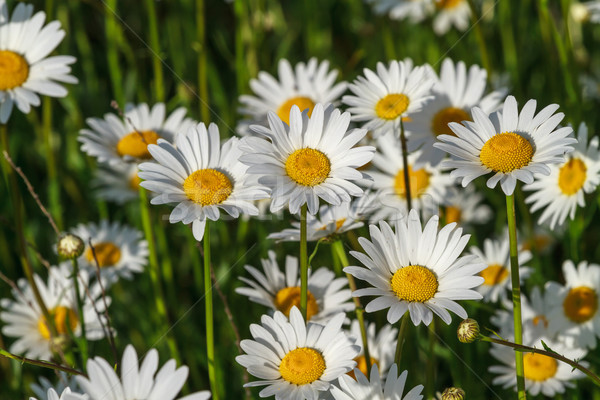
512 145
312 158
116 182
201 176
25 68
451 13
417 270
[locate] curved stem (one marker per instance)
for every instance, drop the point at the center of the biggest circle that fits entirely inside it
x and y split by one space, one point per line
303 263
208 307
405 166
401 334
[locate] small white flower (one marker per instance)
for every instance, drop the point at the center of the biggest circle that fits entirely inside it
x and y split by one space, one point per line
451 12
65 395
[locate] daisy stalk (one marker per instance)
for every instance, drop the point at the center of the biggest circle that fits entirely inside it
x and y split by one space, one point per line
83 341
113 35
475 19
303 263
202 81
159 91
53 185
401 335
208 307
405 164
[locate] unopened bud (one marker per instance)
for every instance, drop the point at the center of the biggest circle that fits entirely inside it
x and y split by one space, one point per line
70 246
468 331
453 393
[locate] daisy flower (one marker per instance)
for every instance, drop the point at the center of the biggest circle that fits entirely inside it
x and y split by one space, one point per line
456 92
428 185
304 86
463 206
327 295
512 145
451 12
44 387
563 190
381 99
413 10
117 182
543 374
25 68
392 388
496 275
201 177
23 319
574 307
114 139
51 394
381 347
138 382
119 250
417 270
294 360
314 157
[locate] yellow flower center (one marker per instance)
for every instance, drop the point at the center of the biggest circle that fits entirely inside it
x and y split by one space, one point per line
361 364
135 144
392 106
453 214
506 152
447 4
207 187
494 274
539 367
107 254
302 366
419 182
540 318
572 176
134 182
443 117
288 297
414 283
308 167
581 304
14 70
303 103
62 316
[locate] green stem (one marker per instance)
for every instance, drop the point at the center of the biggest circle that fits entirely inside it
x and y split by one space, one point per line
202 81
53 186
338 248
83 343
113 36
210 341
159 86
405 166
303 263
401 337
508 40
485 60
38 363
516 292
430 368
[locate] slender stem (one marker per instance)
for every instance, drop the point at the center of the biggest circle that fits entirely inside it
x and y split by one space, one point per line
38 363
83 342
113 37
210 340
159 90
485 60
516 292
53 185
202 81
401 337
406 168
430 368
303 264
338 248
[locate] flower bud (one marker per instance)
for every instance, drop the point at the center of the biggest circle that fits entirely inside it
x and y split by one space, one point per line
70 246
453 393
468 331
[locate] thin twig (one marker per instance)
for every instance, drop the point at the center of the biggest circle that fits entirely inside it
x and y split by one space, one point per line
40 363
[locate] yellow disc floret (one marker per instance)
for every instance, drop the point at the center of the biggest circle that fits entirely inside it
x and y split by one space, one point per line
207 187
107 254
361 364
392 106
303 103
581 304
494 274
539 367
135 144
414 283
65 320
288 297
453 214
447 4
302 366
506 152
14 70
443 117
308 167
572 176
419 182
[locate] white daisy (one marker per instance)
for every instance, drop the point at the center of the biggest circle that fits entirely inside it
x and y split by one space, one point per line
42 388
383 98
574 306
304 86
392 388
294 360
456 92
311 158
563 190
327 295
25 68
428 185
51 394
463 206
413 10
23 319
117 182
114 139
496 275
381 347
119 250
138 382
451 12
417 270
543 374
201 177
513 145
